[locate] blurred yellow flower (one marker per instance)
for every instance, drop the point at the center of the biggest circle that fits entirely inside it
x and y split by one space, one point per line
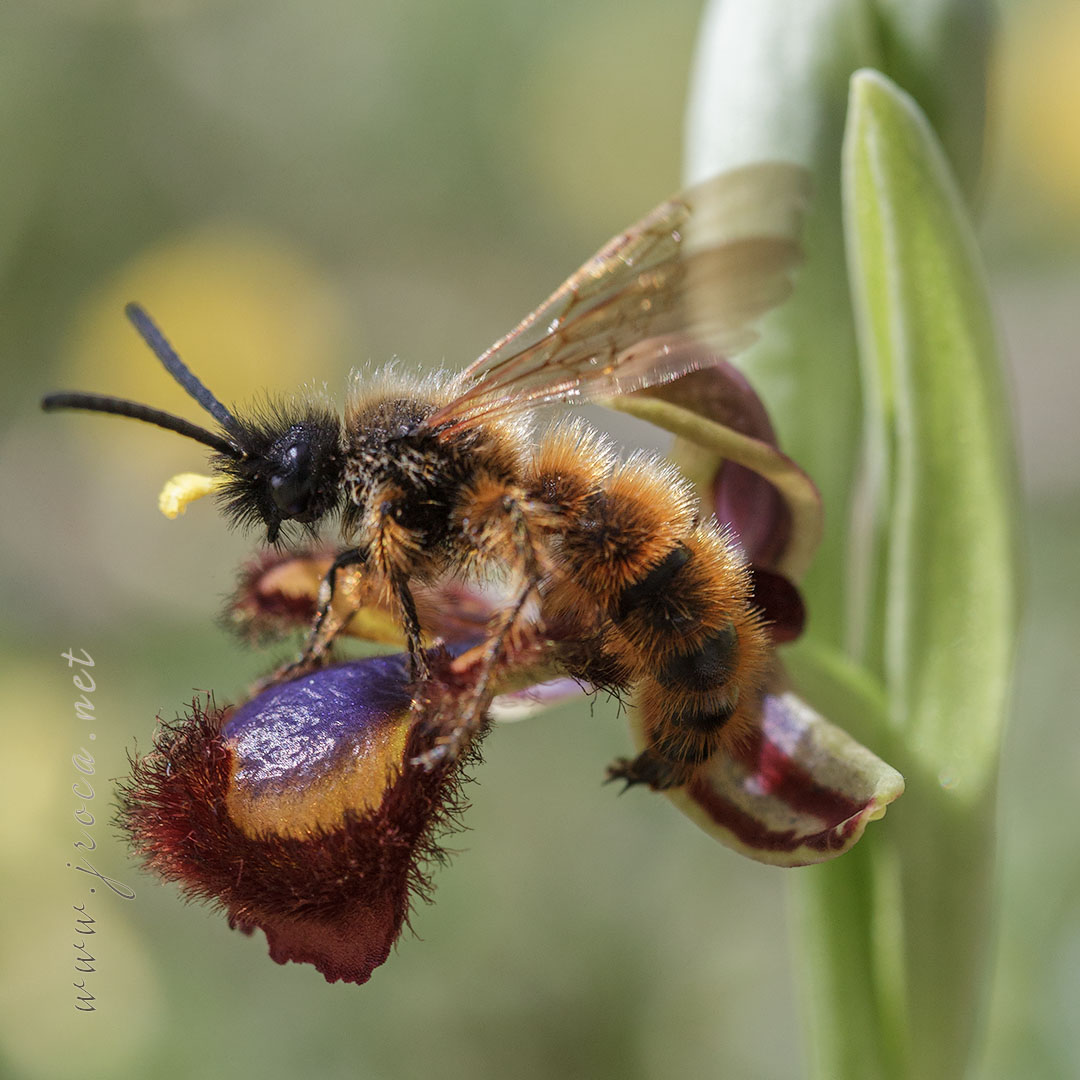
1042 90
244 311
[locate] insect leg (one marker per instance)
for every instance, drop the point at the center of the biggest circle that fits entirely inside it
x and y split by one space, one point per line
649 769
326 628
328 622
497 527
418 665
453 733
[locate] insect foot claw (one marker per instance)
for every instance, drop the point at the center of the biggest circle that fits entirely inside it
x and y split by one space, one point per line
449 748
419 671
619 769
646 769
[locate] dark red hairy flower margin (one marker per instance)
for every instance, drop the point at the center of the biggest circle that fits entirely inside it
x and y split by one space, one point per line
299 814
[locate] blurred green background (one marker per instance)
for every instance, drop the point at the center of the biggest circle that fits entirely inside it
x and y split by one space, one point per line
294 190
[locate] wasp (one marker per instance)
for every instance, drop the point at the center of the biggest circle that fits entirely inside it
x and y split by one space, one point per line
442 476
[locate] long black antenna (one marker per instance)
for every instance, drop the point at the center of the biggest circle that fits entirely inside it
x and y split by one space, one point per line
122 407
176 367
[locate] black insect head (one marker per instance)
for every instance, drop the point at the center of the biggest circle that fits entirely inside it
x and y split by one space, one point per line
283 464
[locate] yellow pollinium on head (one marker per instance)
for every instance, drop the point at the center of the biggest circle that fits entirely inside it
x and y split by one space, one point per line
185 488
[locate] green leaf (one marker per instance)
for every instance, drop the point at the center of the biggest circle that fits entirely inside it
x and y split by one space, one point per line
942 597
931 363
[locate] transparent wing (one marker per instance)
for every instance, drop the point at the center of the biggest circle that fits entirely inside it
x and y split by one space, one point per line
679 290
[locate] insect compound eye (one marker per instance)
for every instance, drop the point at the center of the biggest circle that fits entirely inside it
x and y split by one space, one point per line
288 466
292 486
303 476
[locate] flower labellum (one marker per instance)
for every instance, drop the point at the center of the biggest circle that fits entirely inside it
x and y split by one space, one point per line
299 812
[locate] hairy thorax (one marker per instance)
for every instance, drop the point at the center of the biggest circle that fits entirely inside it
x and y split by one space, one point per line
407 482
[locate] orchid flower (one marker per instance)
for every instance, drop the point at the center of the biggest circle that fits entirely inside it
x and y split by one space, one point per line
304 812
